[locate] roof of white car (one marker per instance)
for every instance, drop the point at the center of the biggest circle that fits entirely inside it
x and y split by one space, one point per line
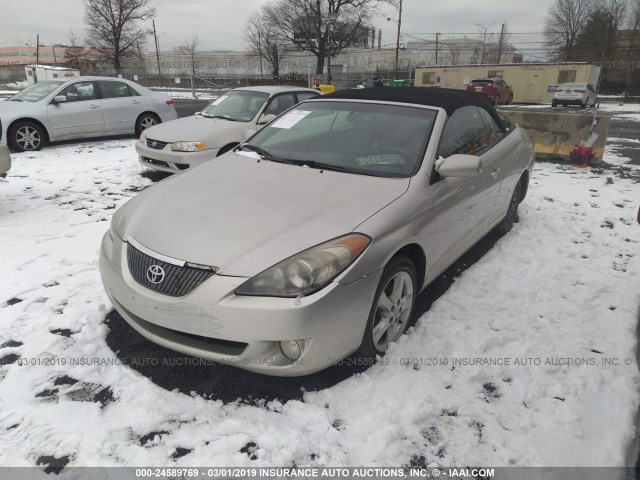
275 88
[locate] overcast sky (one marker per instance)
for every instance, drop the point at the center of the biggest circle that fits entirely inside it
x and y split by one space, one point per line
219 23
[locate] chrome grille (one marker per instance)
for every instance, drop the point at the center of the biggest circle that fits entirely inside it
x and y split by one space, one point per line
157 144
177 282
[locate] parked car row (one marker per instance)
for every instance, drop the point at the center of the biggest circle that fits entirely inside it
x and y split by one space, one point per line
311 222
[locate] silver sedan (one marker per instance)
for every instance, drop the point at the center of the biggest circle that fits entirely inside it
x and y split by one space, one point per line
81 107
311 240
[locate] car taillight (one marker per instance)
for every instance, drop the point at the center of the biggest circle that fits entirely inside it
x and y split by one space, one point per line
558 90
169 102
580 90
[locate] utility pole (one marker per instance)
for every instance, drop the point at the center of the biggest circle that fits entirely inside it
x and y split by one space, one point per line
155 36
330 22
500 44
397 65
38 49
54 54
437 47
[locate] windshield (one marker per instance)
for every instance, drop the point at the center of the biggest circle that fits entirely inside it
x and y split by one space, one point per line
361 138
236 105
36 92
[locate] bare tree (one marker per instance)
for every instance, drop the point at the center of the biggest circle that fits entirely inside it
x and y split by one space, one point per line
74 52
563 23
323 27
632 56
454 54
113 29
265 40
190 50
487 51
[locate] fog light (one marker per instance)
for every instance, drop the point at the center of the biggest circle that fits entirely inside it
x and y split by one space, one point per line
292 349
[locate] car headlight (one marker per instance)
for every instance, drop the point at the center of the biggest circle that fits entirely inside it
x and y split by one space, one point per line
187 146
143 138
308 271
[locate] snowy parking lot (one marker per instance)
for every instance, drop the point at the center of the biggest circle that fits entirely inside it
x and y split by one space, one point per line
528 359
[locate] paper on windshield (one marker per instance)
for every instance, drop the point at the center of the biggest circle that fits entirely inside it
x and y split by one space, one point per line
291 118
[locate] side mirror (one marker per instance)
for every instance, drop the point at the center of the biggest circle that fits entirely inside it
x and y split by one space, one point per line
460 165
265 119
59 99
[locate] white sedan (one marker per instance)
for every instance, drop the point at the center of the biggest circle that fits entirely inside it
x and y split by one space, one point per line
81 107
218 128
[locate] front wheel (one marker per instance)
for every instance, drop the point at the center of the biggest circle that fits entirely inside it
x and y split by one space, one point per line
392 307
511 217
26 137
145 121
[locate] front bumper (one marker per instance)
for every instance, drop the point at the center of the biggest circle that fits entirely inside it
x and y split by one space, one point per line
166 160
213 323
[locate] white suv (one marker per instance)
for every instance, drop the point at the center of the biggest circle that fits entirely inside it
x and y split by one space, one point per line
582 94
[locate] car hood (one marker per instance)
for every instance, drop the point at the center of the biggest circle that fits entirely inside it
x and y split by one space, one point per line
243 216
9 108
214 132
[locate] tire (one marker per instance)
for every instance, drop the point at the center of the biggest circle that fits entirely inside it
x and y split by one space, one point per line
584 104
145 121
390 302
511 217
554 104
27 137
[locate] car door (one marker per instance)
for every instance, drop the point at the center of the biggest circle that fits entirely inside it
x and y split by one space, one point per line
463 205
121 106
81 114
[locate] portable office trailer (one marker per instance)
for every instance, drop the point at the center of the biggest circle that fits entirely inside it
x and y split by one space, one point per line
37 73
531 82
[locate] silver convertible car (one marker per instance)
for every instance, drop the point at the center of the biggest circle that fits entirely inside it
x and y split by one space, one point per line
310 241
80 107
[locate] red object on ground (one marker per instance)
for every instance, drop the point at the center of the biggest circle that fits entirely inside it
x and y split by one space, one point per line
581 156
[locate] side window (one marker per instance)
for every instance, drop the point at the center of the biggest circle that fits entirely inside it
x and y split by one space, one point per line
464 133
80 91
280 103
490 125
111 89
306 96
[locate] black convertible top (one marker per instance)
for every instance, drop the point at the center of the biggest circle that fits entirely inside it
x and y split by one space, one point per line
446 98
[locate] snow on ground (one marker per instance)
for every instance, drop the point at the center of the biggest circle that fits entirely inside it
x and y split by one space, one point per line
561 289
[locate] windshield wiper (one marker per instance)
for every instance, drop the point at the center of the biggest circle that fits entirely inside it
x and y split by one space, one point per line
264 154
13 100
219 116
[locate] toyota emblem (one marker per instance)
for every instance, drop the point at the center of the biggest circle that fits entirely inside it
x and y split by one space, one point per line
154 144
155 274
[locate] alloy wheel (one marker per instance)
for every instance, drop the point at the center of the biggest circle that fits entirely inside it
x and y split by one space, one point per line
393 310
28 138
147 122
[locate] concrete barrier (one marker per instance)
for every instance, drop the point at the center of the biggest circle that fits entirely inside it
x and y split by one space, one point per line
555 133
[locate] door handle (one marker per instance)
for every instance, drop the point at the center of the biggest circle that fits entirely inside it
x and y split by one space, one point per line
93 107
137 101
495 172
